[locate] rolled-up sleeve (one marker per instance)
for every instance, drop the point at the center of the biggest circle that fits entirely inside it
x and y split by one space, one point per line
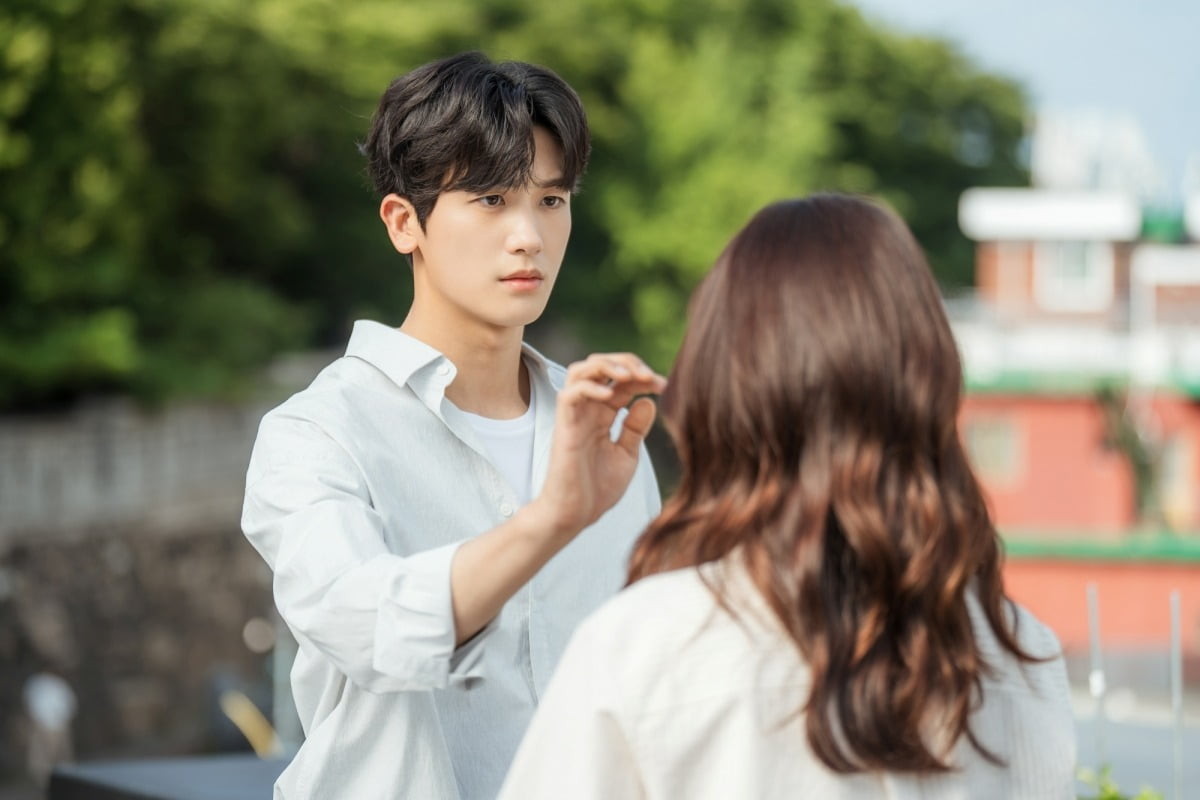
385 620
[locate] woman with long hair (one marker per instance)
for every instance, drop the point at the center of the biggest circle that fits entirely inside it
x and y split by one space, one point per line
818 611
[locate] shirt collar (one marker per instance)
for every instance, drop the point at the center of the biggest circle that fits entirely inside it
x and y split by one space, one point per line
390 350
400 356
539 361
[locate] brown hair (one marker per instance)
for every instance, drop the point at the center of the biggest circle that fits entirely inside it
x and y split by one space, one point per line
814 407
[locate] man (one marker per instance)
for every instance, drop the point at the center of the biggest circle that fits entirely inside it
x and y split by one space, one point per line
411 499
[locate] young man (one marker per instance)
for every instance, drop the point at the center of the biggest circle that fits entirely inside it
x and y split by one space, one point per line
411 499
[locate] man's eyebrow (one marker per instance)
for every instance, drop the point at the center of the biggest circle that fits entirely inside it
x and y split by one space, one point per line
557 182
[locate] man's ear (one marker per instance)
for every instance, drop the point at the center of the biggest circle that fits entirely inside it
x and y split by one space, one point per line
400 219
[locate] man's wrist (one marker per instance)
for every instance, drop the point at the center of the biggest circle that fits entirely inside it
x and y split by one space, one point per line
544 524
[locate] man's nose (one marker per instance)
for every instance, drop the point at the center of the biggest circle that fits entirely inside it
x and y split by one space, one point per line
525 236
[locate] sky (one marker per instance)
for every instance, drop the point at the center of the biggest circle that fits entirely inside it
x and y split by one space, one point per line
1136 57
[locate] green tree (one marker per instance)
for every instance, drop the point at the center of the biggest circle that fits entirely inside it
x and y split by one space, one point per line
167 180
180 195
918 124
703 111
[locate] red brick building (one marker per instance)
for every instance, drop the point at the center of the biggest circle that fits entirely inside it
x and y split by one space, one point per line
1049 468
1069 301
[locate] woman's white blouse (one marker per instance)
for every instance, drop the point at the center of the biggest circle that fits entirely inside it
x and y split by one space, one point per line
662 694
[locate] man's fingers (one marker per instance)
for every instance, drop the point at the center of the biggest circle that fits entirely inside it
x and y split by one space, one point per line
613 365
600 370
629 362
583 391
628 390
623 371
637 424
614 396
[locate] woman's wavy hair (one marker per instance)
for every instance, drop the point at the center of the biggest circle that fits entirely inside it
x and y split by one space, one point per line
814 408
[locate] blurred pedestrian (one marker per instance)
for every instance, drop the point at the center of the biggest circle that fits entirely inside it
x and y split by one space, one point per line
50 705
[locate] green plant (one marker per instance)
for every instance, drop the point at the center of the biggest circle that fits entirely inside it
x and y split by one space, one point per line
1107 788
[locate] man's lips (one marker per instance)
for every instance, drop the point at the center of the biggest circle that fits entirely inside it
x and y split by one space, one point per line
524 281
524 275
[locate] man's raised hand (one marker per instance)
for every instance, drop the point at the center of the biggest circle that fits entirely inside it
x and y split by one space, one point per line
588 470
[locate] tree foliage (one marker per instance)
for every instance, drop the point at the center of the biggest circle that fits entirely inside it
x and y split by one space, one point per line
180 194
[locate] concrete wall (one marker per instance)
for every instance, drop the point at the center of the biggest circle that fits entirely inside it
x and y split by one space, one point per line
114 467
1047 470
1133 598
1050 471
1134 604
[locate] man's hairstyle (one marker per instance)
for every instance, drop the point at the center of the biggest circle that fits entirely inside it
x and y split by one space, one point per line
466 124
814 406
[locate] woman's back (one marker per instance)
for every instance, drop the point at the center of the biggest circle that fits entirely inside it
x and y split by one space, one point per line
871 650
667 694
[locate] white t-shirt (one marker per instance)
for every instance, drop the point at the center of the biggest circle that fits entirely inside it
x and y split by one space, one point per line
509 444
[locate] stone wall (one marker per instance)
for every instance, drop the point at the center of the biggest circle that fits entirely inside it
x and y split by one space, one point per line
144 627
123 570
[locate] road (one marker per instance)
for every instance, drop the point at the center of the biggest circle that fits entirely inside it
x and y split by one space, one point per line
1141 754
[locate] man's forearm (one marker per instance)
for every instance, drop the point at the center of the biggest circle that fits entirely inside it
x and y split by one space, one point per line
589 471
490 568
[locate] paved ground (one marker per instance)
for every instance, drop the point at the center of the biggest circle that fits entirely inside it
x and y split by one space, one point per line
1137 738
18 791
1142 755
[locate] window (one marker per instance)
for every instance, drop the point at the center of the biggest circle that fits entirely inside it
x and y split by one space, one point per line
995 449
1073 276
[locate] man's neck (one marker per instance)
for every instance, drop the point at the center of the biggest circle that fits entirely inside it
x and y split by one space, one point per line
491 380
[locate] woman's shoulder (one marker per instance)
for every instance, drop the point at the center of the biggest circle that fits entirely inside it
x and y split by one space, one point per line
1031 634
655 605
1045 676
697 618
655 619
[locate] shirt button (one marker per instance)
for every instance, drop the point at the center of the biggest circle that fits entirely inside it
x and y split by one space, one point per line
443 369
506 509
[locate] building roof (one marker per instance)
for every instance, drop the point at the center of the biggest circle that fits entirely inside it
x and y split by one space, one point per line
1009 214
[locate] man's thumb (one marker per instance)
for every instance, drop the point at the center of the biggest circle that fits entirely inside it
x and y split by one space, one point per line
637 424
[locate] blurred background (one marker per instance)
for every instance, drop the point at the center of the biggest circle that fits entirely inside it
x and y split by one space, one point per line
187 234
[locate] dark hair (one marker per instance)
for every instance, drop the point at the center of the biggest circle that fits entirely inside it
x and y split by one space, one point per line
814 406
464 123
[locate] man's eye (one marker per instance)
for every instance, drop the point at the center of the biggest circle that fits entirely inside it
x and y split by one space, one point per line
553 201
491 200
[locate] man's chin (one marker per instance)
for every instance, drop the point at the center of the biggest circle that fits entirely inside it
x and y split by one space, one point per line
519 320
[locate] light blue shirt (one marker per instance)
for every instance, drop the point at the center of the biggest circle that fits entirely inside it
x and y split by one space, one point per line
359 491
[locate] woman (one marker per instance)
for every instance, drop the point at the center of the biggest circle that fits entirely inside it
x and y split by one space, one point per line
818 611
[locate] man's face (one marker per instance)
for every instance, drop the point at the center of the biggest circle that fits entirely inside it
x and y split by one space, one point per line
492 258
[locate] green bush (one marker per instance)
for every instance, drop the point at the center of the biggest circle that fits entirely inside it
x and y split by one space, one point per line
1106 788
